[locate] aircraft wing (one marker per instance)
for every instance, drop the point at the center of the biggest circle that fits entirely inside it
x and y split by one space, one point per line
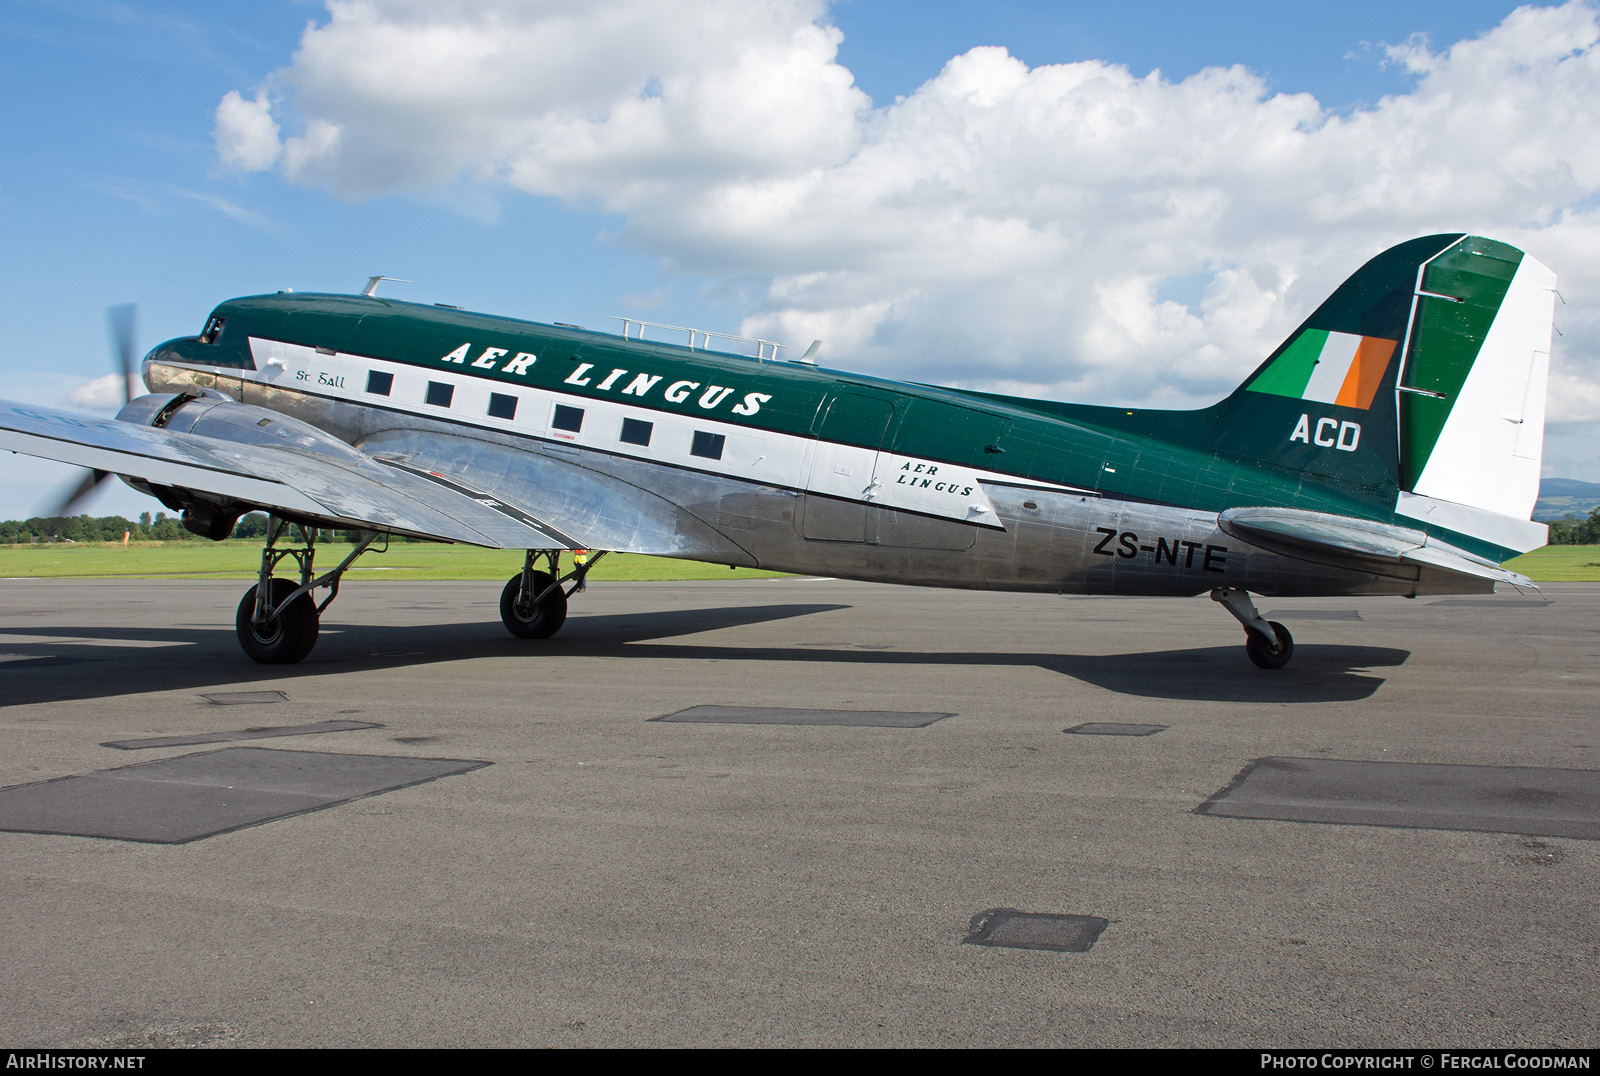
1358 544
356 491
574 498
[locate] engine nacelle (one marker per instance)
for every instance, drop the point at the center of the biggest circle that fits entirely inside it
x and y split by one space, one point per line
209 413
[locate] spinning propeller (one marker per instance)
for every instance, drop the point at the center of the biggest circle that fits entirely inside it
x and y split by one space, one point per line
120 320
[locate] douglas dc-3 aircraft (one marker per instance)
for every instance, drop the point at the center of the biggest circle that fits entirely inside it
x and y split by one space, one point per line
1390 446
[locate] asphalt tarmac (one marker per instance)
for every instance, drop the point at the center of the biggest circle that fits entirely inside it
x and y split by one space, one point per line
1389 843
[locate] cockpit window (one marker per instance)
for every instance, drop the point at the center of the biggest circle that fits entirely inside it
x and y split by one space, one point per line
213 330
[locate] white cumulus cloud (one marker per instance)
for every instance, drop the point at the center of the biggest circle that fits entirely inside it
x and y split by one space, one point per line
106 393
245 132
611 101
1075 230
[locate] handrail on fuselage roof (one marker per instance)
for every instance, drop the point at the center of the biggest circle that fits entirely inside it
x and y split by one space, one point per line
705 335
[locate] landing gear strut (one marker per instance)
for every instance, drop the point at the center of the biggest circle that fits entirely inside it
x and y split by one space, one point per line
277 620
1268 642
533 604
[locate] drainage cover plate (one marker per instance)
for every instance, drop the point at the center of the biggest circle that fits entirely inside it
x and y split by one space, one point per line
1486 799
244 698
175 800
1113 728
778 715
1010 929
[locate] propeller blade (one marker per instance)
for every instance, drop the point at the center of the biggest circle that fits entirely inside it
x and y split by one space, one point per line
121 320
91 481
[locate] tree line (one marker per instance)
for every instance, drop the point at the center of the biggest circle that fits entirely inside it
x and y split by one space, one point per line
1575 531
162 528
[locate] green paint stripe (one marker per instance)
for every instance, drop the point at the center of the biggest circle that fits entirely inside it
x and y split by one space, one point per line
1291 371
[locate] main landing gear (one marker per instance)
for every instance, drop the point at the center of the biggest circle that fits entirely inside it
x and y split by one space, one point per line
278 620
533 604
1268 642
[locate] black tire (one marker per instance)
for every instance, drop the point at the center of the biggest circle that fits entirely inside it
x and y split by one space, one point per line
540 622
283 641
1263 653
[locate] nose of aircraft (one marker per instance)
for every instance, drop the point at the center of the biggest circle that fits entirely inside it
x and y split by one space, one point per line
170 353
161 353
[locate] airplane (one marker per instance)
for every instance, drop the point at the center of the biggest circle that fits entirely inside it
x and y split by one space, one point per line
1391 445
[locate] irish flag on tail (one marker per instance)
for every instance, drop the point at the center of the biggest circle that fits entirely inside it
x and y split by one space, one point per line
1328 367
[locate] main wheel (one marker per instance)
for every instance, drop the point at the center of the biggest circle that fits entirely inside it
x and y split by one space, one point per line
528 621
1263 653
284 640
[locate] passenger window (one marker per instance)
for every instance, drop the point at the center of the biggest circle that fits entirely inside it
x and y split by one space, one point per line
379 384
440 394
708 445
635 431
568 418
502 406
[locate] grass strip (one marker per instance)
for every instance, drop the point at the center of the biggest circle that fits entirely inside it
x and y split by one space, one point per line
241 559
417 560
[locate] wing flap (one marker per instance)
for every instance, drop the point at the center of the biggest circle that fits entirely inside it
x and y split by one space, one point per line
1359 544
342 493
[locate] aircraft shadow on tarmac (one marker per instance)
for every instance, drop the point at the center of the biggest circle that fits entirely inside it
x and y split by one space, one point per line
208 657
92 665
1213 674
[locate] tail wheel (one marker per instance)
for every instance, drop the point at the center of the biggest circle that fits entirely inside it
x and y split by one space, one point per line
526 620
286 638
1264 652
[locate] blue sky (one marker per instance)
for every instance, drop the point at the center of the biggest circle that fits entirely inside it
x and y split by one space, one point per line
1329 50
113 189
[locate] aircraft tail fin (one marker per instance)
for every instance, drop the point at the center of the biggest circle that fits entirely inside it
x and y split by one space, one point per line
1419 387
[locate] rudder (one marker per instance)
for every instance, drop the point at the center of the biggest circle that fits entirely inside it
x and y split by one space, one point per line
1472 393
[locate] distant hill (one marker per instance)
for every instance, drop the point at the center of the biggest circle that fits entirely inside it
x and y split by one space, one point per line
1561 497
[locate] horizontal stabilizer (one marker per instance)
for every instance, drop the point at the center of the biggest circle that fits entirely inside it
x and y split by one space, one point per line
1358 544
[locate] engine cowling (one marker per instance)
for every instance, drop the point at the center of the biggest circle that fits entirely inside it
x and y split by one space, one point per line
209 413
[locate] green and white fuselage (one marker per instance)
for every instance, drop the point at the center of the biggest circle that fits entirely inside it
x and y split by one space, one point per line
644 447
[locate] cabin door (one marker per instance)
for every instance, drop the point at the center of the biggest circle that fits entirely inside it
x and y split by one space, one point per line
844 468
